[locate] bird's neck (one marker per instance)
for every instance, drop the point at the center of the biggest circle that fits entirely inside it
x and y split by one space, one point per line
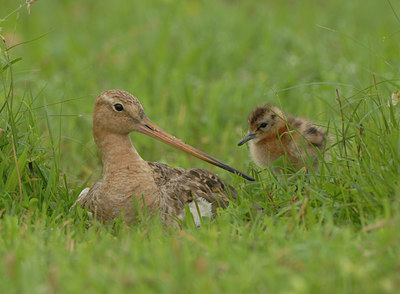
117 152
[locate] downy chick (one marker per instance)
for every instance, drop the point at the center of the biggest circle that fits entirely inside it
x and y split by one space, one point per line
272 134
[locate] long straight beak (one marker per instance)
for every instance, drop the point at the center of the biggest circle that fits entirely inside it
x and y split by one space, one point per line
248 137
148 128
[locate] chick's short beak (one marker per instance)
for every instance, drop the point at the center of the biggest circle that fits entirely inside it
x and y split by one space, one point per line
248 137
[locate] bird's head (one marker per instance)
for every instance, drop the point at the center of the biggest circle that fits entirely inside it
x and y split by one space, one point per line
263 122
118 112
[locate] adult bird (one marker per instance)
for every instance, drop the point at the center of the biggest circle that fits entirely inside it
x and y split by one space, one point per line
156 186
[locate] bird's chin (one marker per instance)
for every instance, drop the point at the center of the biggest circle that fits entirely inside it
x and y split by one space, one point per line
255 140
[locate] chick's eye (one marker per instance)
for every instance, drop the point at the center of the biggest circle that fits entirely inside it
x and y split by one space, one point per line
263 125
118 107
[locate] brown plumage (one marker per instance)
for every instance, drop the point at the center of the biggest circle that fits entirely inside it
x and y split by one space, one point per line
272 134
156 186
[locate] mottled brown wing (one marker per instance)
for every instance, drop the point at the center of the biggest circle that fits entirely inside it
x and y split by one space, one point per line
314 134
181 185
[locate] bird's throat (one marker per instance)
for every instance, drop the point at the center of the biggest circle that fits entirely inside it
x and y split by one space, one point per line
117 152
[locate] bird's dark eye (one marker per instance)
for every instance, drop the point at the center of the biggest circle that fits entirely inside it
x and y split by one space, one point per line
118 107
263 125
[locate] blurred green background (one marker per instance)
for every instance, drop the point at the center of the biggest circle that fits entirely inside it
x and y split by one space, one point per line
199 68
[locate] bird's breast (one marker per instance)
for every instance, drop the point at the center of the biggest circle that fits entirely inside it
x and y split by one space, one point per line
266 152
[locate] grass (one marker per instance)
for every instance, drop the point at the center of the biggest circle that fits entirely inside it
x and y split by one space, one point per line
199 67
